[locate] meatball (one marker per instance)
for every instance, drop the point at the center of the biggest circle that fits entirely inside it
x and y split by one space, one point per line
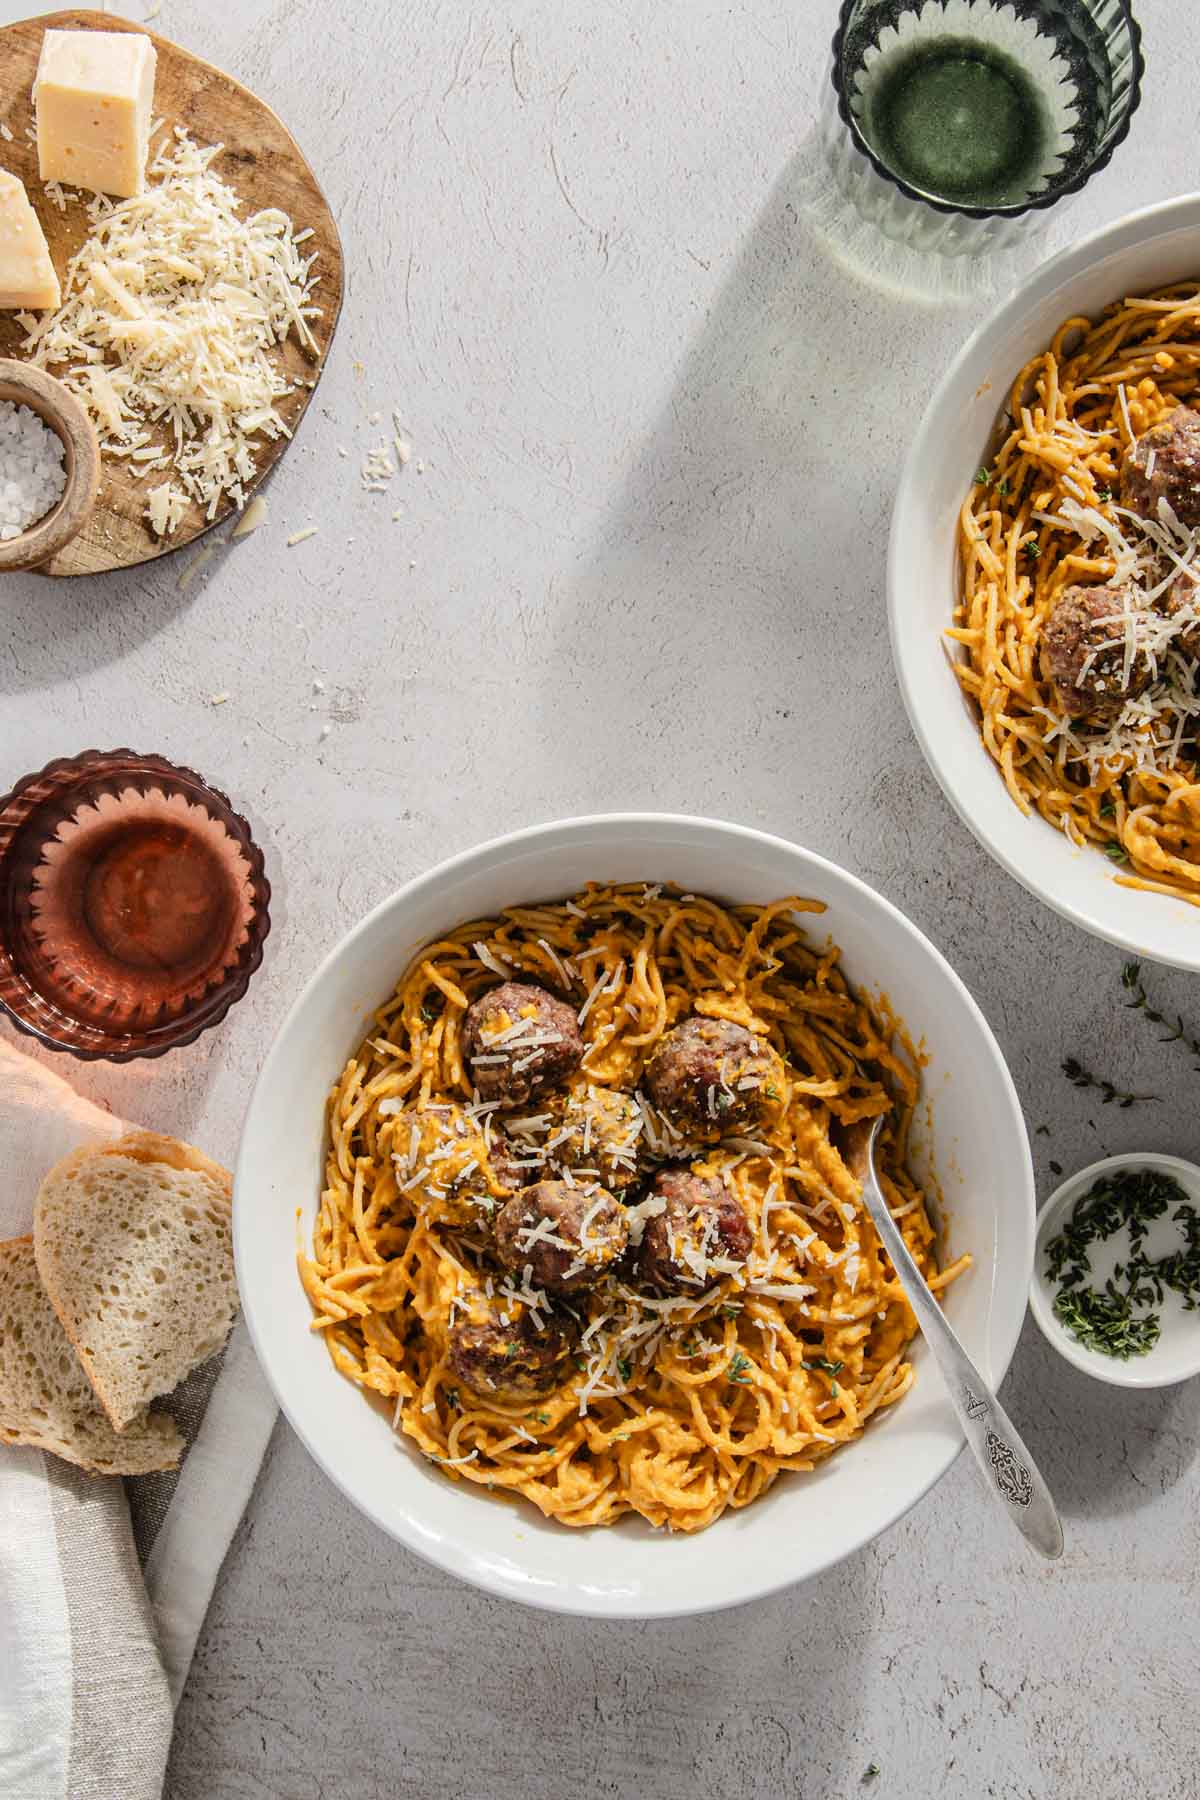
701 1221
1183 596
431 1148
709 1076
604 1127
518 1040
567 1236
447 1169
1090 622
501 1352
1173 475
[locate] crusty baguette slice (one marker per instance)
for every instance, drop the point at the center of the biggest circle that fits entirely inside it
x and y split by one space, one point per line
134 1247
47 1401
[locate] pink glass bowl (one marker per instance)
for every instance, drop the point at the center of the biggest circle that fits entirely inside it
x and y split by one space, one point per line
133 905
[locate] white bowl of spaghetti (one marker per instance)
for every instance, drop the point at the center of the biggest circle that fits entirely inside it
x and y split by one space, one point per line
324 1160
1013 503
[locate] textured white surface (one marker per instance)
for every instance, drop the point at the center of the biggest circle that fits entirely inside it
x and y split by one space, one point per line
643 566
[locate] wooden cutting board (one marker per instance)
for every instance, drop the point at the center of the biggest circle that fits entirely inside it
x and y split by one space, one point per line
262 163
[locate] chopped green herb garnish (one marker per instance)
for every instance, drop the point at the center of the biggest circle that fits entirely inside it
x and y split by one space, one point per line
1117 1320
823 1362
731 1309
738 1368
624 1368
771 1091
871 1771
1031 548
1116 851
539 1418
1106 1322
983 477
1002 485
1104 493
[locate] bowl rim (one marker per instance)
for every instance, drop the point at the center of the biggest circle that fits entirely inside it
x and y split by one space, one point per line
274 1364
62 412
1141 227
1133 1374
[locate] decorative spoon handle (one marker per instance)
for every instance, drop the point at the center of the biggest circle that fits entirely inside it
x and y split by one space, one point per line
996 1444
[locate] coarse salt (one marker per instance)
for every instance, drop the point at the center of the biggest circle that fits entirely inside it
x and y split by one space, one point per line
32 476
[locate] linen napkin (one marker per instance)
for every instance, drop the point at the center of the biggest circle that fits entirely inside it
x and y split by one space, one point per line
104 1583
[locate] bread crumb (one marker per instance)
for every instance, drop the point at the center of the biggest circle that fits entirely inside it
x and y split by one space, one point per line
298 537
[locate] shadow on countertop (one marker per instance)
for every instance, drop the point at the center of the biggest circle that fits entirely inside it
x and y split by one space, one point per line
1103 1450
56 628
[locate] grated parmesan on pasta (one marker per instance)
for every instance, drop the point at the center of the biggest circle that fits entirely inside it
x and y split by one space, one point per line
172 315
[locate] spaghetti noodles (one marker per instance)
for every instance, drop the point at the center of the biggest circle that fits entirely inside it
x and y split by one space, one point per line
671 1406
1045 517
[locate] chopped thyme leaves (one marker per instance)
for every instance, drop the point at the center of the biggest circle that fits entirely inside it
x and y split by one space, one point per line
1117 1320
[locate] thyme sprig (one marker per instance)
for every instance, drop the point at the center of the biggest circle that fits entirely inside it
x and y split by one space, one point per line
1081 1077
1175 1033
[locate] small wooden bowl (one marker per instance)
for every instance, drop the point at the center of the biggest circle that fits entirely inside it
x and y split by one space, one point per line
58 407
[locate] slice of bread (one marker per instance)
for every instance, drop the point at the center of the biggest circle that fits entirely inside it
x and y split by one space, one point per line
47 1401
134 1247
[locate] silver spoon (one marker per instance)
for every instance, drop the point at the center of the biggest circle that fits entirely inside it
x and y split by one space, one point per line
996 1445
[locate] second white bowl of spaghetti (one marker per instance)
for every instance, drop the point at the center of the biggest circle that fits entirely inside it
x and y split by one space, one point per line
1044 537
621 1404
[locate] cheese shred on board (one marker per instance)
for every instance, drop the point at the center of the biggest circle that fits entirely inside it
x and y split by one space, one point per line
172 315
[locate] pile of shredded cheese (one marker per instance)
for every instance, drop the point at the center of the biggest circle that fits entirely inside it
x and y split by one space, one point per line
173 313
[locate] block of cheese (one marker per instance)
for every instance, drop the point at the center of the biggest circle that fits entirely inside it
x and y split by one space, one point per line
94 93
27 277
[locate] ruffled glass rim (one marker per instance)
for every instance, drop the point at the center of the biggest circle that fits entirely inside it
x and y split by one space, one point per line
1052 194
213 1009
